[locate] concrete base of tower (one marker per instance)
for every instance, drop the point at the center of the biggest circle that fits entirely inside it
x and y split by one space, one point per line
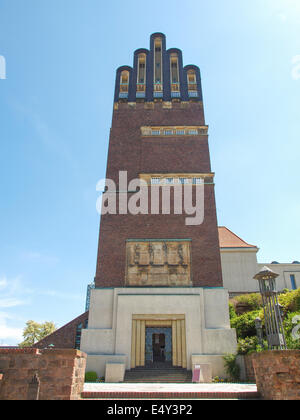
181 326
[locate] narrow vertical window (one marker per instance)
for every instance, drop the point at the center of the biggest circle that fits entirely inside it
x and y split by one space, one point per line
192 83
175 89
78 336
141 68
141 76
293 281
158 87
124 84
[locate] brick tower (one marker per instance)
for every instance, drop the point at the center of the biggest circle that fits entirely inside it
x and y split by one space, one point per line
158 133
158 293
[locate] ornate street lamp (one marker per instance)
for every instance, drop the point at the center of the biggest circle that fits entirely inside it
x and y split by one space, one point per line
259 331
273 319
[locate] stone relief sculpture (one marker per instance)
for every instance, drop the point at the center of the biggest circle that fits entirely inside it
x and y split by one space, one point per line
161 263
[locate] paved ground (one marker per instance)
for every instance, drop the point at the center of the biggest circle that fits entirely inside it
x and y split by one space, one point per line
206 388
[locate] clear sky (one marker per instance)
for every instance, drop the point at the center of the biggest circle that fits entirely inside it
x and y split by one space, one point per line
55 115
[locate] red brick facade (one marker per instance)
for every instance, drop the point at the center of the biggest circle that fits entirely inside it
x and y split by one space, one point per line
129 151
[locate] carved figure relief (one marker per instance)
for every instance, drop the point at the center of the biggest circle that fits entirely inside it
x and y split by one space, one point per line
161 263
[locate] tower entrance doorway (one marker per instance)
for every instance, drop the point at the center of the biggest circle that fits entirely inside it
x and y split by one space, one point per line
157 339
158 346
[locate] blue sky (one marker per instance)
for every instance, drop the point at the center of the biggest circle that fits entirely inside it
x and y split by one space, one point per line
55 115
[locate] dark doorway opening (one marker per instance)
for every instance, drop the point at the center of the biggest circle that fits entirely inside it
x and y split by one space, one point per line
159 347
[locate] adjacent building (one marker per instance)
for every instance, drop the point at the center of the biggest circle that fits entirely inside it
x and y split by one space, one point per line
239 265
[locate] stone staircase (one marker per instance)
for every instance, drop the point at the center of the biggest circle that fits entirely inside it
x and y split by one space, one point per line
158 375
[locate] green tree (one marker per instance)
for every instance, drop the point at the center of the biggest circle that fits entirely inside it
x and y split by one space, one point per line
34 332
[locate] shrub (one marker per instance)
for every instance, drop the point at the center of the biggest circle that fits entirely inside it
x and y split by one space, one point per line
91 377
250 302
218 380
288 326
245 324
285 291
232 313
250 345
247 345
290 301
231 367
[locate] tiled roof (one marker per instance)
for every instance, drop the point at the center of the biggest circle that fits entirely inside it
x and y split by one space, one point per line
229 239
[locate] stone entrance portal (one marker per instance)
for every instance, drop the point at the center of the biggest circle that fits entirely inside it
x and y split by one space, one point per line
158 338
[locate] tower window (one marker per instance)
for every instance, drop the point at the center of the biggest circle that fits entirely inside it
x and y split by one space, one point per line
78 336
192 81
174 72
124 84
141 69
155 181
184 180
158 64
192 77
197 181
124 78
169 180
193 132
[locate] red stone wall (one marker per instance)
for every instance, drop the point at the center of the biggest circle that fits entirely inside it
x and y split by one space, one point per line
61 373
130 152
278 374
249 369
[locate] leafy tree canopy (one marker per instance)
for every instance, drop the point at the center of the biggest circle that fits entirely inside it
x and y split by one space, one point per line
34 332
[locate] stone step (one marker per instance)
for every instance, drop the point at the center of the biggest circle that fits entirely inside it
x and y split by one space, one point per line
144 372
153 381
157 379
161 379
170 375
115 395
157 371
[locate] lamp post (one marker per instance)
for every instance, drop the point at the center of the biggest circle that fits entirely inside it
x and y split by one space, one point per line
273 319
259 332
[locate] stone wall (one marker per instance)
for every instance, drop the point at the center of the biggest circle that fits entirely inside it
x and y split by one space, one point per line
278 374
60 373
249 369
